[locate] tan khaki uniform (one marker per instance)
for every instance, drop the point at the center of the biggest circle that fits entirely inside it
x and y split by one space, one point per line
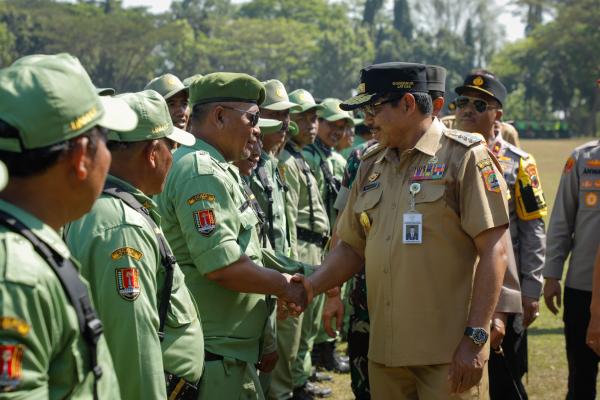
509 132
419 294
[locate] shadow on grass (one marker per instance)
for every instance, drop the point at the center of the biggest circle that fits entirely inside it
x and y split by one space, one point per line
545 331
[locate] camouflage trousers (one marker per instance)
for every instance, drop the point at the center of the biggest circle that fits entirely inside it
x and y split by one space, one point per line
358 339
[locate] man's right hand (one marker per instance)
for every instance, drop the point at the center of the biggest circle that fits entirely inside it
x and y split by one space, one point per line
334 308
305 281
552 292
295 295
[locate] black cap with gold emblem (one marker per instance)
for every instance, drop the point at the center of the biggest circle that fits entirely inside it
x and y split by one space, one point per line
486 83
378 80
436 78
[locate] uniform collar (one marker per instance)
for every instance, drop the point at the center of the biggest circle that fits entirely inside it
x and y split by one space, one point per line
323 147
427 144
41 230
138 194
214 153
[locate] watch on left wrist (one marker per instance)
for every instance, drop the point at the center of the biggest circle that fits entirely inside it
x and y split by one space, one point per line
479 336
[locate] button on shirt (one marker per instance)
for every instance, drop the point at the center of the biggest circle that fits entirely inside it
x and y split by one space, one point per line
419 294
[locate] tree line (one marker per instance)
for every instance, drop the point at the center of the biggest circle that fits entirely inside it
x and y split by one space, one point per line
321 45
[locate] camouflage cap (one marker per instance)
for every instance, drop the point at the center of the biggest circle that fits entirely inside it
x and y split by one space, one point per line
187 82
154 120
50 99
227 86
305 100
332 112
167 85
276 97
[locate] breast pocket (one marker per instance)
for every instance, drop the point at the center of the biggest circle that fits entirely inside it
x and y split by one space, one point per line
248 218
429 197
367 210
182 310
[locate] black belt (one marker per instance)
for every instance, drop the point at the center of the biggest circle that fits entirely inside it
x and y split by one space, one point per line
309 236
208 356
180 389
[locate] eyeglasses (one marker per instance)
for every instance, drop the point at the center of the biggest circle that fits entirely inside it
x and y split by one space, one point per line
371 109
253 117
479 105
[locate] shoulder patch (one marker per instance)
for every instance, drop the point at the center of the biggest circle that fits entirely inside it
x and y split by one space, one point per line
569 165
205 221
201 196
464 138
371 151
203 163
126 252
128 283
11 366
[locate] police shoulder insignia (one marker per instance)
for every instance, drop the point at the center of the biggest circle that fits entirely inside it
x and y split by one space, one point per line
371 151
569 165
532 173
205 222
490 178
487 162
14 324
201 196
126 251
128 283
464 138
11 366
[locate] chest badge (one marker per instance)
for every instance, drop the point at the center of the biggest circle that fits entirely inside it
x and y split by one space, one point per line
374 176
430 171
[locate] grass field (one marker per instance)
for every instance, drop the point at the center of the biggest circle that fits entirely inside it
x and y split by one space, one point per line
547 378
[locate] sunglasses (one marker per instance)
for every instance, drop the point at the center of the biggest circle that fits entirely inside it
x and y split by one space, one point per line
371 109
479 105
252 117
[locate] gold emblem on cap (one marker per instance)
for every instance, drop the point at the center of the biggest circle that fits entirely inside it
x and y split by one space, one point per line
171 81
302 96
279 93
361 88
478 81
403 84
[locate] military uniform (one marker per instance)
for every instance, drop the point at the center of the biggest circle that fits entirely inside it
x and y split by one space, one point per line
573 230
509 133
527 208
51 341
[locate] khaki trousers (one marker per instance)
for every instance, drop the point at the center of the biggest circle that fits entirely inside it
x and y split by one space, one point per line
427 382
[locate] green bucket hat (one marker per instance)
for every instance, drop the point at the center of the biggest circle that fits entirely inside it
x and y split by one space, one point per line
276 97
226 86
3 175
187 82
332 112
305 100
154 120
50 99
268 126
168 85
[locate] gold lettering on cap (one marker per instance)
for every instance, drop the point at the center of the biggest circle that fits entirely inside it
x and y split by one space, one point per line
478 81
403 84
160 128
83 120
361 88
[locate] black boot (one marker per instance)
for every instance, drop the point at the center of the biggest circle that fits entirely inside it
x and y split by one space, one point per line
328 359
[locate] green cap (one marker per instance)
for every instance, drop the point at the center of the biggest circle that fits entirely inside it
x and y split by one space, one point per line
276 97
268 126
332 112
50 99
187 82
154 120
304 99
167 85
226 86
3 175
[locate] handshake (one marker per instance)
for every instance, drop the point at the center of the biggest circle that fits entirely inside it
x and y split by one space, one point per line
297 294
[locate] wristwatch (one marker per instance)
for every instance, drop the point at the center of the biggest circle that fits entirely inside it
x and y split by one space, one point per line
479 336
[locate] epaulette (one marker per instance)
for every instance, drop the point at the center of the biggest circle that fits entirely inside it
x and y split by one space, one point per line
586 145
371 151
521 153
464 138
203 162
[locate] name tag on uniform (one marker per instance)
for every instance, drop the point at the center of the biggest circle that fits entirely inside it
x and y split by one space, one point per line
412 231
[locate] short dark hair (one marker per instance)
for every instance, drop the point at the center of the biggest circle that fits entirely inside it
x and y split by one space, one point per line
200 111
423 101
30 162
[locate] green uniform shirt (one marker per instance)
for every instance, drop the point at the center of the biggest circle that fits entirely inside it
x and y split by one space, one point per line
282 234
358 142
210 226
299 199
316 153
43 353
122 262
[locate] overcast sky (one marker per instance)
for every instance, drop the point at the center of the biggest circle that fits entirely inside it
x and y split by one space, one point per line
514 27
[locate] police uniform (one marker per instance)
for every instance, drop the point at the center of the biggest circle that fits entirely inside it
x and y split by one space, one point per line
573 230
417 290
139 290
51 341
509 133
210 224
307 213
